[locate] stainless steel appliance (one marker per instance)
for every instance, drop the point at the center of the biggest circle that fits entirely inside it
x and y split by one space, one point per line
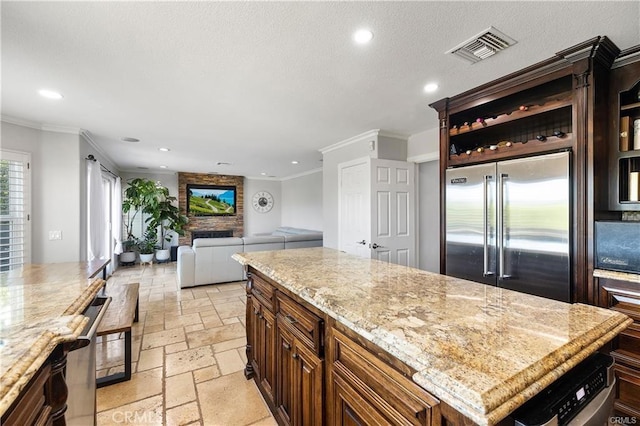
582 397
81 369
508 224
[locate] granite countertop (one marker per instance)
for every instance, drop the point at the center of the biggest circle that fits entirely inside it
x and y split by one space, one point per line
481 349
40 307
617 275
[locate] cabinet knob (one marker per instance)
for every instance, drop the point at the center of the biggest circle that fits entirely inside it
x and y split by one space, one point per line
286 346
294 356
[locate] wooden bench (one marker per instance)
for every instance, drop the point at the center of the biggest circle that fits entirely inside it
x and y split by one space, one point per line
119 318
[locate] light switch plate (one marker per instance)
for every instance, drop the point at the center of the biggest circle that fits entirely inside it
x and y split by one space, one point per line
55 235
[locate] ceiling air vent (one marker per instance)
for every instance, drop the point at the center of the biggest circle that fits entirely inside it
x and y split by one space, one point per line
483 45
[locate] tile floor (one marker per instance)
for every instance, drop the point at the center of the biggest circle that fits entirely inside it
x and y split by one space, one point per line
188 357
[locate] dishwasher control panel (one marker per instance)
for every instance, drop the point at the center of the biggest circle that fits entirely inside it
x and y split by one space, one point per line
565 398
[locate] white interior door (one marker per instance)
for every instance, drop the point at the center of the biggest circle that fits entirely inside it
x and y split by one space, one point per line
377 210
393 236
354 226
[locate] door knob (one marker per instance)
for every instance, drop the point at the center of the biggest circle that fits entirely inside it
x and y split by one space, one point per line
363 242
375 246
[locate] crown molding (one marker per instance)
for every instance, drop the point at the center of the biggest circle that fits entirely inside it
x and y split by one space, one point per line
87 136
297 175
272 178
363 136
40 126
424 158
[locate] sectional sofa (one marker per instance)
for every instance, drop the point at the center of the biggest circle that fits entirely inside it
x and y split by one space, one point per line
209 261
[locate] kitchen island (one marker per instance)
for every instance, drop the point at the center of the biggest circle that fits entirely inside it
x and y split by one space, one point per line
440 348
40 309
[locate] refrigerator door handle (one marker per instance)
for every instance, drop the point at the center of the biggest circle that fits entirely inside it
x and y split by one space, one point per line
485 226
501 260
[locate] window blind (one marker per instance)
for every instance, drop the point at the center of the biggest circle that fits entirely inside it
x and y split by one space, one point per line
12 214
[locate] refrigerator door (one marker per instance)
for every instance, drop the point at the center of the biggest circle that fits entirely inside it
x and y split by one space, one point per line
533 225
471 223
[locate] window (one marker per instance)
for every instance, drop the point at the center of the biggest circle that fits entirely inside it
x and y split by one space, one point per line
14 210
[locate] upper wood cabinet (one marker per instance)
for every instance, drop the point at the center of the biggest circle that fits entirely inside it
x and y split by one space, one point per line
557 104
624 133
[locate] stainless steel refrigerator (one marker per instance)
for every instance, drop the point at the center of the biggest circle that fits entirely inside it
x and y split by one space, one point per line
508 224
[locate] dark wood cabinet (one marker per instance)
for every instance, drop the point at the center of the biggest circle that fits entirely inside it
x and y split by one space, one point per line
557 104
300 381
624 296
284 353
365 389
261 339
624 133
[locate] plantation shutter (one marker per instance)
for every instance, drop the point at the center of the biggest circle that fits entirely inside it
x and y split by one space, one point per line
14 169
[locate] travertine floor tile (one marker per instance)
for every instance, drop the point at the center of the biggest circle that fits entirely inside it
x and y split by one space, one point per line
152 358
229 362
189 360
179 390
183 415
190 351
147 412
223 396
215 335
142 385
162 338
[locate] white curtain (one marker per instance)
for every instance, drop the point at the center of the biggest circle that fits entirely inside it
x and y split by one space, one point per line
95 216
116 214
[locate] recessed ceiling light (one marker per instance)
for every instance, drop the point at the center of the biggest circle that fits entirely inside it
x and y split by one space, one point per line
50 94
294 162
127 139
164 149
431 87
362 36
263 174
163 166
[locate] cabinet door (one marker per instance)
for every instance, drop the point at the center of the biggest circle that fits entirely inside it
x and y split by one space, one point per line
624 297
307 386
268 353
253 336
349 408
284 374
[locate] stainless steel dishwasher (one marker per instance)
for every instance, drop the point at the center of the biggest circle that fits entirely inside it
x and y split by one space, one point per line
583 396
81 369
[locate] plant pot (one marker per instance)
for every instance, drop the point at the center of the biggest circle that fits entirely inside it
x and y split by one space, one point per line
128 257
163 255
146 258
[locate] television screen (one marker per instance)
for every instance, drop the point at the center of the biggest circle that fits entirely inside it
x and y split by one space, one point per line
211 200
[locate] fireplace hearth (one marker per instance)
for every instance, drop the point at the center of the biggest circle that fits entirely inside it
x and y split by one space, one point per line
211 234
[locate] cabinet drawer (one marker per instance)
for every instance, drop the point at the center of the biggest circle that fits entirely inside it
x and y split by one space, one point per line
263 291
395 397
307 327
628 398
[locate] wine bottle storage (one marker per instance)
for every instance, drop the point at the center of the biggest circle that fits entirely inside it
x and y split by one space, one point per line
534 133
629 191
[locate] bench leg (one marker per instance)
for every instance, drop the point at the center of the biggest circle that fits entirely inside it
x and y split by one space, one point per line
135 317
119 377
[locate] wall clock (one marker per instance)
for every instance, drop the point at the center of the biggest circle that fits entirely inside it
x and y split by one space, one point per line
262 201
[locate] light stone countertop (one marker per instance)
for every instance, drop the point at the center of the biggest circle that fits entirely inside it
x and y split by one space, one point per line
617 275
481 349
40 307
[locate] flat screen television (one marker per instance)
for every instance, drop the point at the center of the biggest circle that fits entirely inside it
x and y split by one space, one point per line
211 200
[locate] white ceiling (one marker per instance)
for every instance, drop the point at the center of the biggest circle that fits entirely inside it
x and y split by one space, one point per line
259 84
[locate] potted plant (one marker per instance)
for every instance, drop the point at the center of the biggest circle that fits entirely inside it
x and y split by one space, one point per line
139 197
147 245
165 217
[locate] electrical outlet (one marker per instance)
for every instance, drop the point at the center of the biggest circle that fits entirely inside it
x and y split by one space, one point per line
55 235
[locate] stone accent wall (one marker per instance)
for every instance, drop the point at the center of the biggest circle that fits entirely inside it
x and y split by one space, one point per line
219 223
